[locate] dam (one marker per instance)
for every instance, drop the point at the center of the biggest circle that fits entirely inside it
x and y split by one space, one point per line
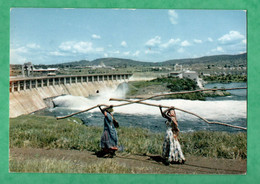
28 94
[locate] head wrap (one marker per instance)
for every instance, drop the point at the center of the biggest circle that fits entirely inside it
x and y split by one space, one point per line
110 109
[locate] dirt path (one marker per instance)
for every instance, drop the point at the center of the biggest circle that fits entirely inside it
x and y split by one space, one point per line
152 163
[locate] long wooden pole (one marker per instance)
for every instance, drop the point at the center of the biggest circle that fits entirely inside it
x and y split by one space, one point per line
155 105
62 117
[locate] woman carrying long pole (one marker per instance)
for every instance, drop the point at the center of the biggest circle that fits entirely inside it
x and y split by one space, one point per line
172 152
109 137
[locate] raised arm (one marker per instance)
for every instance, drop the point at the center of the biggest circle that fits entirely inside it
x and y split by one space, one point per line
174 115
163 113
102 110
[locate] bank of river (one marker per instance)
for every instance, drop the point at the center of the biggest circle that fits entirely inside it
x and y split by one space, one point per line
235 94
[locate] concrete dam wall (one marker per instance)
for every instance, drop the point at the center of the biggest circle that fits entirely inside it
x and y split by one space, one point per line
27 96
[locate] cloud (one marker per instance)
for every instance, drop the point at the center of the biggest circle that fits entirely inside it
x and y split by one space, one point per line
231 38
33 46
185 43
20 50
197 41
105 55
26 48
153 42
99 49
210 39
136 53
112 53
16 58
115 52
180 50
66 46
57 53
233 42
96 36
151 52
123 44
170 43
22 54
218 49
126 53
173 16
79 47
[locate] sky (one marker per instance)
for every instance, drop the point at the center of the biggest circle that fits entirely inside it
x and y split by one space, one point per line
56 35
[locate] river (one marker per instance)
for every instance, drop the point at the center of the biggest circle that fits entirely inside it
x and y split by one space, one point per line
230 109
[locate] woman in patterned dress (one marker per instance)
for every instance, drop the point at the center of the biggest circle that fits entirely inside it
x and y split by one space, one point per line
172 152
109 137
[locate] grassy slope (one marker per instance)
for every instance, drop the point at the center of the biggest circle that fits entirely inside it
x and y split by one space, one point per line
47 132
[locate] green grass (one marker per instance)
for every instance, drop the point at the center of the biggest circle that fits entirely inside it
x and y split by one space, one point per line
215 144
47 132
45 165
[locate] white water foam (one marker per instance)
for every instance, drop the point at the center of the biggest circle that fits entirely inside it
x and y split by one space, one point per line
81 103
213 110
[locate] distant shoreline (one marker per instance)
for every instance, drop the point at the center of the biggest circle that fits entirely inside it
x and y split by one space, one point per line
143 89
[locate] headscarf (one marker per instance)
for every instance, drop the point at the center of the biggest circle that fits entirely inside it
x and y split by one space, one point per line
110 109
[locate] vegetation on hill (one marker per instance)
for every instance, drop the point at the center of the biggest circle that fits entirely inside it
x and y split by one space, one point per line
176 84
239 58
121 62
234 64
225 78
169 84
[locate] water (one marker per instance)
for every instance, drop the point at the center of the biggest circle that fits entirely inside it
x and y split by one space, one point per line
236 94
230 109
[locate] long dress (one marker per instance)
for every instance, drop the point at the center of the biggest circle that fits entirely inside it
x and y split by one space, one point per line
109 137
171 147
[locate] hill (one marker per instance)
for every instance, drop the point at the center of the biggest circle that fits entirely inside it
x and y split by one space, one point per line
73 63
121 62
234 59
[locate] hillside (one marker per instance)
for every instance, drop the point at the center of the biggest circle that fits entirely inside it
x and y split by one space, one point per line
121 62
234 59
73 63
